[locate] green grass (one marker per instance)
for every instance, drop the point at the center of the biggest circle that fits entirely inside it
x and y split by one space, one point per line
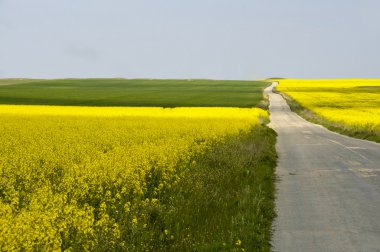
134 92
227 196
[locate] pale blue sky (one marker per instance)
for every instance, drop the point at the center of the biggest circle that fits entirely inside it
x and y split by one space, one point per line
220 39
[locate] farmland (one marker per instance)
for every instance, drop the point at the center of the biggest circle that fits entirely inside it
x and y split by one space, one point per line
126 178
349 106
132 92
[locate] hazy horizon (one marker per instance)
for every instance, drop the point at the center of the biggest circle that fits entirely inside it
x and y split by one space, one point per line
208 39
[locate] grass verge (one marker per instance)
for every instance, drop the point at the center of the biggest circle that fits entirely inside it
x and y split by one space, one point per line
344 129
225 201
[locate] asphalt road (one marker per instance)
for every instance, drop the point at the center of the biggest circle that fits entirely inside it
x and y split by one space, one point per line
328 188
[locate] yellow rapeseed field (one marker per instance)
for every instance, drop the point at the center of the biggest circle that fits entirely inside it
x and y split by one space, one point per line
352 103
72 178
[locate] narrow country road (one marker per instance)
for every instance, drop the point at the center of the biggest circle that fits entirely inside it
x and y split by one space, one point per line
328 188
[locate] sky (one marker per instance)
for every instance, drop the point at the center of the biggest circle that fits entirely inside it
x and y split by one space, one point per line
215 39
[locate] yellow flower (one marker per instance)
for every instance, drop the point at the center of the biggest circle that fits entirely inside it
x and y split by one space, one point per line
77 166
347 102
238 242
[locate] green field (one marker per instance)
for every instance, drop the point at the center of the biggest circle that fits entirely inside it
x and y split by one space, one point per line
133 92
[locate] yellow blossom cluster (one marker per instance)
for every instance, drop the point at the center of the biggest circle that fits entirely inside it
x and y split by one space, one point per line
351 102
85 178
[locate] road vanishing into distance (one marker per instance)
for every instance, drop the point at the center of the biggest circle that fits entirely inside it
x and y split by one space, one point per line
328 188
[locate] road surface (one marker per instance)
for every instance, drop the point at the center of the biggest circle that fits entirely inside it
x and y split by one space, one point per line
328 188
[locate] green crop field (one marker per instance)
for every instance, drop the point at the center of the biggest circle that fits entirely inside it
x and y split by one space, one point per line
133 92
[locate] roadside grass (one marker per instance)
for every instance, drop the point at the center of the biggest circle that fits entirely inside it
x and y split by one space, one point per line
132 92
225 202
357 131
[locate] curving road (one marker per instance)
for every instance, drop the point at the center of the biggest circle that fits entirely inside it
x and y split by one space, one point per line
328 188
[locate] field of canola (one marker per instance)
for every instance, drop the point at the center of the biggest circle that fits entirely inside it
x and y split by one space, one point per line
351 106
74 178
